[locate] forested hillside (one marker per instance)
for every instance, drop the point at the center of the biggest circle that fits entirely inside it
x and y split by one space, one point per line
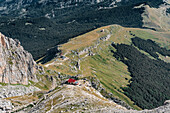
39 34
149 86
150 47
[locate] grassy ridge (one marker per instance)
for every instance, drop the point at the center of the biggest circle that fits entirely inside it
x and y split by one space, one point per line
112 73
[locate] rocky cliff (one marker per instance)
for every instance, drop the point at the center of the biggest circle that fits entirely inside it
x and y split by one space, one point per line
16 65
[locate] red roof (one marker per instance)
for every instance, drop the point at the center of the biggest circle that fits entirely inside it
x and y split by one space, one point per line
71 80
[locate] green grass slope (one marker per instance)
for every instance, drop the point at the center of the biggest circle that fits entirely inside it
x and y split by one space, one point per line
112 73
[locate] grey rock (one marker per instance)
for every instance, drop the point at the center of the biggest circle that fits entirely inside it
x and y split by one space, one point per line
16 65
5 105
16 90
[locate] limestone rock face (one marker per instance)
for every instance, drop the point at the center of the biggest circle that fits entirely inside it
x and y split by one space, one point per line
16 65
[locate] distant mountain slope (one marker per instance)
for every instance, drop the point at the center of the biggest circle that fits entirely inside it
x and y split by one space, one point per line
43 24
21 8
157 18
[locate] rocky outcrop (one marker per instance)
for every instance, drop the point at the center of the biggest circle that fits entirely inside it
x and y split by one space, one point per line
16 65
12 91
5 106
16 90
89 50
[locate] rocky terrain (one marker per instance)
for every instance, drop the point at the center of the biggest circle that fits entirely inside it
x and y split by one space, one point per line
5 105
16 90
70 98
16 65
82 98
13 91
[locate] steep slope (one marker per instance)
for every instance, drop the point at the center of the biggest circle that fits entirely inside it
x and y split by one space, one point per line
16 65
91 54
